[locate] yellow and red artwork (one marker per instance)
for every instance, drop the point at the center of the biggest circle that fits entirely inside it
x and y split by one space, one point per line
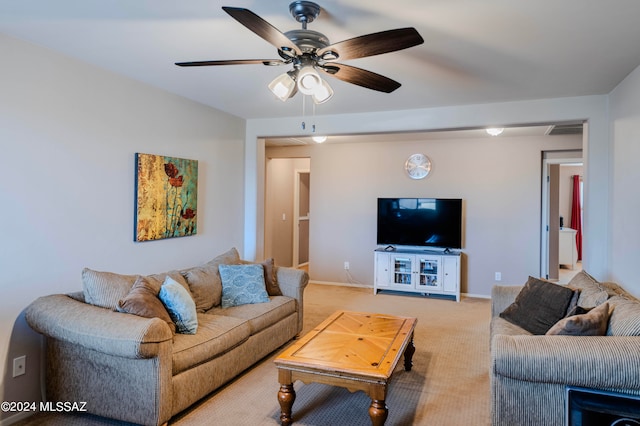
166 197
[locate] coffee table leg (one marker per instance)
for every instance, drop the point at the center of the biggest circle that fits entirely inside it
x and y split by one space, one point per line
408 355
286 396
378 412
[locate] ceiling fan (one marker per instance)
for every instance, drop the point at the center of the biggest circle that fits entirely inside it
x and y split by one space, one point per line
309 51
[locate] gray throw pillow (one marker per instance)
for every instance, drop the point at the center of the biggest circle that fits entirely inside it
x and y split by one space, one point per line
539 305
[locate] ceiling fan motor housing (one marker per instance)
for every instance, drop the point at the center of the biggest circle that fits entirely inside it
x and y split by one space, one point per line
307 40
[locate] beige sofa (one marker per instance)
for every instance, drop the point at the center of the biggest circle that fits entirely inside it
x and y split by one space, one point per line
135 369
530 373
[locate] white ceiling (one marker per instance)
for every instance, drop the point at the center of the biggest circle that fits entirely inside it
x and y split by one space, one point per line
475 51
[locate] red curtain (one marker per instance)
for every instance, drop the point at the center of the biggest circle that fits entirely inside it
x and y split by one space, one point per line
576 216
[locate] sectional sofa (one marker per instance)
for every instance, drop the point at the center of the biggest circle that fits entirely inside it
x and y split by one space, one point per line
105 345
530 372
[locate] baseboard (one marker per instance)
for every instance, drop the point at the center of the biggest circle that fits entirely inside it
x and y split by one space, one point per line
340 284
476 296
470 295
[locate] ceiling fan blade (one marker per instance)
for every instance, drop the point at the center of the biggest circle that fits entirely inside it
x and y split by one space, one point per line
232 62
372 44
263 29
361 77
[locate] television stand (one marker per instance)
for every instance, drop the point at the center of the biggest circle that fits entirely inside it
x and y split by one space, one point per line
426 272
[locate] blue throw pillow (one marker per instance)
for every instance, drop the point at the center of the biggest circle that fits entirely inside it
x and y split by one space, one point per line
242 285
180 305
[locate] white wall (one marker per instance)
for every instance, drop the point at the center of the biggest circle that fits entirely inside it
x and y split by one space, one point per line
625 175
69 132
279 209
592 109
498 179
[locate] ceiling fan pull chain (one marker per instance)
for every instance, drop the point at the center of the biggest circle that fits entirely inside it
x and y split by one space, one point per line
313 126
303 112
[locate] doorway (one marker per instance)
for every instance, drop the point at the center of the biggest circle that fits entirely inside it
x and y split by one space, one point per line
287 210
560 257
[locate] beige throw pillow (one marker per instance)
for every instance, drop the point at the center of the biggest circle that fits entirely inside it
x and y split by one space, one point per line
270 279
143 301
593 323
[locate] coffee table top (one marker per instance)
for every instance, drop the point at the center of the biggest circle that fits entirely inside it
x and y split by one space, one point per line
354 343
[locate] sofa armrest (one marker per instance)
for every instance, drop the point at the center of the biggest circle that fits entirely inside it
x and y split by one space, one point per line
61 317
292 283
502 296
589 361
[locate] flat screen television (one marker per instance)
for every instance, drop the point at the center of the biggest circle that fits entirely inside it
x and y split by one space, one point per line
423 222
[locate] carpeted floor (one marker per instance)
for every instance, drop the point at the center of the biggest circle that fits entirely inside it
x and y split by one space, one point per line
448 385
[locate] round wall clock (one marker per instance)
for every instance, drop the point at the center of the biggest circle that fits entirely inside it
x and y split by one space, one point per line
417 166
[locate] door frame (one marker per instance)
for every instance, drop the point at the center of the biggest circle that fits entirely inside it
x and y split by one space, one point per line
544 222
297 218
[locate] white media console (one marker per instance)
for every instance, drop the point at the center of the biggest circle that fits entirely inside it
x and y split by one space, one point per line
427 272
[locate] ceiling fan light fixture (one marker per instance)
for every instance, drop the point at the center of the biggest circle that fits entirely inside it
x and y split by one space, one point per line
495 131
283 86
322 93
308 80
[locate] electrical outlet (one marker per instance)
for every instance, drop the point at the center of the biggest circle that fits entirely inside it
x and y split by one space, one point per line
346 266
19 365
498 276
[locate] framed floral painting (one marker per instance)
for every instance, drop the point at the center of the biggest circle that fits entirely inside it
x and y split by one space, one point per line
166 197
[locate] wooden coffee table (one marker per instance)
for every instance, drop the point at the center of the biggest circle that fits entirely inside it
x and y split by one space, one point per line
354 350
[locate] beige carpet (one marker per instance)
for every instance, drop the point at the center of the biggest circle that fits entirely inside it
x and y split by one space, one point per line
448 385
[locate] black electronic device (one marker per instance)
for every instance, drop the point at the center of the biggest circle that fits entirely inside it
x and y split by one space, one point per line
421 222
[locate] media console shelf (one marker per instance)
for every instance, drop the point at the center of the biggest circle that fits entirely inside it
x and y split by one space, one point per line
427 272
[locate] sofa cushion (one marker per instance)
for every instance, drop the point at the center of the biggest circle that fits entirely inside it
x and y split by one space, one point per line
502 326
158 279
614 289
105 289
204 287
593 323
204 281
592 293
143 301
625 317
180 306
242 284
539 305
260 315
216 335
